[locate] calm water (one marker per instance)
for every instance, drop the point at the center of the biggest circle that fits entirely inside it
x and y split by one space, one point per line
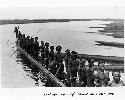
70 35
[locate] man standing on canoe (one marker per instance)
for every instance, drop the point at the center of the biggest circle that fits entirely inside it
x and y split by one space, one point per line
16 31
51 54
67 59
46 53
28 44
23 42
51 60
82 74
103 75
59 63
90 73
36 48
42 48
116 82
73 67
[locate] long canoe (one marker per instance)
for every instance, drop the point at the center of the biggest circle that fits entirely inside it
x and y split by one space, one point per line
111 67
109 59
47 73
56 81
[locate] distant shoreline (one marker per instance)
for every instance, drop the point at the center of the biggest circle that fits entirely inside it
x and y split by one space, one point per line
26 21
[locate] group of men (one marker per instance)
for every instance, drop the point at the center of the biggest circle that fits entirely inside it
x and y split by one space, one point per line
76 73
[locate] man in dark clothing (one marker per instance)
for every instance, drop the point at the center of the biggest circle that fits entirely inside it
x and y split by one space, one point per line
82 73
31 46
42 48
59 63
51 54
19 37
51 59
16 31
23 42
28 44
73 67
90 73
46 54
66 59
36 48
46 51
103 75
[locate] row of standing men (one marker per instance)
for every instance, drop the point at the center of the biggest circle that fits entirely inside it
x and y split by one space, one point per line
75 68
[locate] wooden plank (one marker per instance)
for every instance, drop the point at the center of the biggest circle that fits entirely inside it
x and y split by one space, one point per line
43 69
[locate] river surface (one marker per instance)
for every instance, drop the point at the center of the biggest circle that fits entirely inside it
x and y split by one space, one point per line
74 35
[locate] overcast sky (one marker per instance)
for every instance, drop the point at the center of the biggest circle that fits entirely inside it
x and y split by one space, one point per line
37 10
62 12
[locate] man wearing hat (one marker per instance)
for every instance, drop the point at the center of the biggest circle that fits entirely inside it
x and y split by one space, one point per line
32 46
42 48
28 44
116 82
82 73
90 73
59 63
46 53
73 67
51 59
16 31
36 48
51 54
23 42
67 58
103 75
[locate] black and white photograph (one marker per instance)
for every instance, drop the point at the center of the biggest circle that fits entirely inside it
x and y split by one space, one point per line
61 52
71 47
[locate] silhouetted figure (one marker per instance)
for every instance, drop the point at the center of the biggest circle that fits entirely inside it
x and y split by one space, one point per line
16 31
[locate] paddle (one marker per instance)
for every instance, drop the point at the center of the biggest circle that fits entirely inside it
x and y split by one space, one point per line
13 53
10 38
36 32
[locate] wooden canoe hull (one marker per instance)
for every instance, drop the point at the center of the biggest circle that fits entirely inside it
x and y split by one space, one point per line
109 59
48 74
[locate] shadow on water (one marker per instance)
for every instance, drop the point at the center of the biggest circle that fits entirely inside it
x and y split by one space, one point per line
33 72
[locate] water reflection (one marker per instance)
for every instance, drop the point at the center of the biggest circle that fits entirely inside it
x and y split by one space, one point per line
33 72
